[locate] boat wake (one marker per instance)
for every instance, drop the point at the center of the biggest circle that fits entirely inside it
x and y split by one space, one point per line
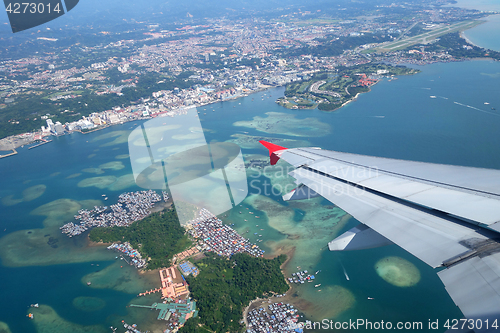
474 108
345 272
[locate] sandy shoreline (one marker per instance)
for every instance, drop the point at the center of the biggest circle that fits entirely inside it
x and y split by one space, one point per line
462 35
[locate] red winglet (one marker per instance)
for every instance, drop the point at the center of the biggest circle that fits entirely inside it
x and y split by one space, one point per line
272 149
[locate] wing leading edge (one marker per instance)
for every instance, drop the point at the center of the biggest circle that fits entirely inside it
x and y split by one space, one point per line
447 216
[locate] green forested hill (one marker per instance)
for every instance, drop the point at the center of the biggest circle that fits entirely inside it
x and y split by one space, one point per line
225 286
158 236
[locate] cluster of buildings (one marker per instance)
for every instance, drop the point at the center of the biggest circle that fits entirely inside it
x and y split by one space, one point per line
188 268
215 236
127 249
187 253
131 207
129 328
276 318
301 277
56 128
173 284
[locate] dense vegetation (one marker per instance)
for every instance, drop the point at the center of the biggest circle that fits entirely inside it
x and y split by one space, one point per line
328 106
454 44
158 236
335 47
225 286
355 90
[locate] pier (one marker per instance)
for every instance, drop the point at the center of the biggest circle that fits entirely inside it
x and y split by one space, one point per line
175 313
14 152
152 291
41 143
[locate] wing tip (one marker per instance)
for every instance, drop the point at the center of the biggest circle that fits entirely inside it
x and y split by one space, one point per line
272 149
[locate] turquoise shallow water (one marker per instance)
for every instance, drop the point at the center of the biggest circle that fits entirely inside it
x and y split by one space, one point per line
399 119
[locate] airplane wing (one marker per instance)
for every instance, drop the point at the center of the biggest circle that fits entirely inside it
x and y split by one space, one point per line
447 216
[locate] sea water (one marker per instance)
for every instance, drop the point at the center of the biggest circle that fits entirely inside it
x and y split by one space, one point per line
487 34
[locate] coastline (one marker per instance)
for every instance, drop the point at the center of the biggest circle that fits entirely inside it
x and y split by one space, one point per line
462 35
493 19
260 89
272 299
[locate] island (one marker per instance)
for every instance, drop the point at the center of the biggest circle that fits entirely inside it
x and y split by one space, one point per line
329 91
208 272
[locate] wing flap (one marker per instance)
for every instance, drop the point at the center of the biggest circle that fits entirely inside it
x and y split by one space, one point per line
455 195
430 238
474 285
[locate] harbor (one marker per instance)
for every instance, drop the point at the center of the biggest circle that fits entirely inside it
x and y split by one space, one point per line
131 207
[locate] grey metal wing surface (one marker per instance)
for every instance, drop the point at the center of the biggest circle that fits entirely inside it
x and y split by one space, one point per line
447 216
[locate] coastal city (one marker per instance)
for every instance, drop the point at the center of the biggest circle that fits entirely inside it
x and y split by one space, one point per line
239 60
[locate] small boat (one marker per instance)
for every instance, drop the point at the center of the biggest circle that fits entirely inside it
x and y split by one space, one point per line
317 285
371 298
30 316
89 283
34 305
